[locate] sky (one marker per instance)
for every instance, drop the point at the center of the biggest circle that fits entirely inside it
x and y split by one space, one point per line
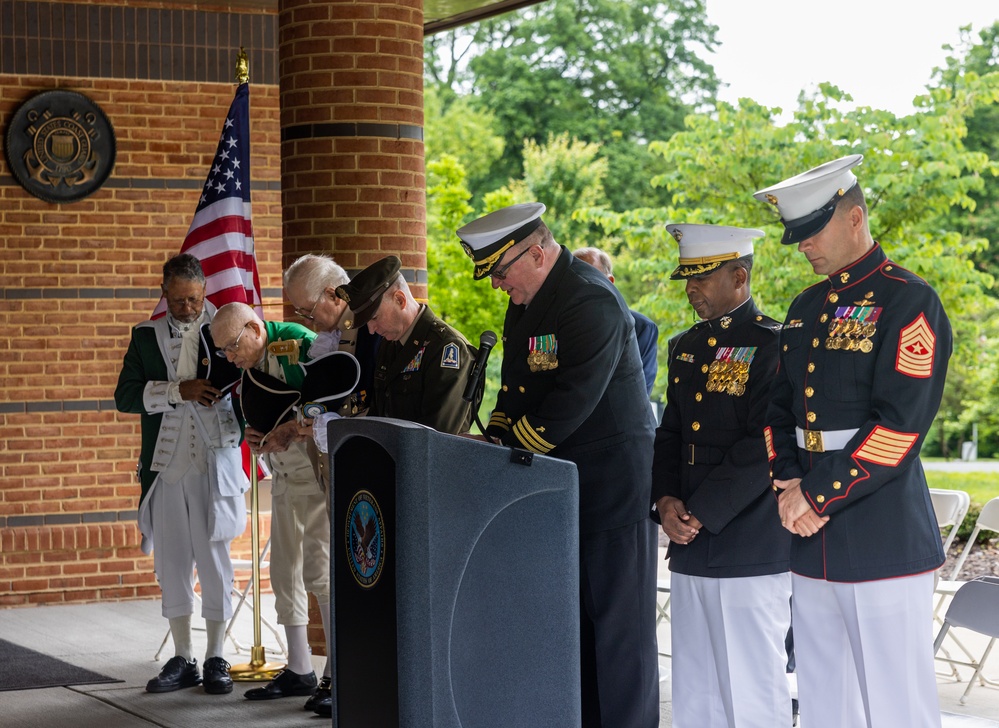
882 52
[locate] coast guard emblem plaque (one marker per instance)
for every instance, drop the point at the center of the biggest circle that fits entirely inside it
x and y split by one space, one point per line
365 537
60 146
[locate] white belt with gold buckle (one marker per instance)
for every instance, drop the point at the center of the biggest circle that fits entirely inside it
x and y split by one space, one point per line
823 440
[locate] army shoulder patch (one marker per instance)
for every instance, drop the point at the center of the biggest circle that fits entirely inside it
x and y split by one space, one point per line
916 344
450 357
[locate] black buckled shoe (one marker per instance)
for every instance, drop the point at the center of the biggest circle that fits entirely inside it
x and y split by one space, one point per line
323 695
177 673
217 680
286 685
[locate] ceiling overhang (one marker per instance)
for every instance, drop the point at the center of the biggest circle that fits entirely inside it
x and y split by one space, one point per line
440 15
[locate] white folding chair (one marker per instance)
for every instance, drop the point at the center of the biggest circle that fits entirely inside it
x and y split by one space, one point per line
975 606
950 507
988 519
662 605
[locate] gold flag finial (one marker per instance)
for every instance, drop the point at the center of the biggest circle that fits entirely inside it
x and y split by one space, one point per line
242 67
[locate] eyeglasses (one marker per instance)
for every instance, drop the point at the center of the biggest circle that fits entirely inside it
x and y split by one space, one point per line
231 348
500 273
309 316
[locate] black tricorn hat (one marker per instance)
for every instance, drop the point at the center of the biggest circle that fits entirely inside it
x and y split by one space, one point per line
365 290
329 379
222 373
266 401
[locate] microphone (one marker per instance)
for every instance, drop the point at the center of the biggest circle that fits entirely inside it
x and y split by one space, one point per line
486 342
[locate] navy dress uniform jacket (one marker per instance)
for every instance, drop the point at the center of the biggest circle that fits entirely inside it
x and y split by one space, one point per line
709 449
592 408
422 379
647 334
883 374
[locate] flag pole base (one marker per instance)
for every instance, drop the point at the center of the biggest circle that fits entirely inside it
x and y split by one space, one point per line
257 669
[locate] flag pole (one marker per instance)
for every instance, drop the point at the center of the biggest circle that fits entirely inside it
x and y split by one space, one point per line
257 668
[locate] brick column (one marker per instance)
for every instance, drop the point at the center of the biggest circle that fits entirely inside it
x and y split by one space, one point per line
352 168
352 175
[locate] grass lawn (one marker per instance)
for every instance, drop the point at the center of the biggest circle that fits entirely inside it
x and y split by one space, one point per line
982 487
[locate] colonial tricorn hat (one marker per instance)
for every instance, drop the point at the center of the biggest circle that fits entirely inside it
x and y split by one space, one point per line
807 201
222 373
365 290
329 379
486 239
266 401
703 248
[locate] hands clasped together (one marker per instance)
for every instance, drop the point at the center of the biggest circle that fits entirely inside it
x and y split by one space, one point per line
795 513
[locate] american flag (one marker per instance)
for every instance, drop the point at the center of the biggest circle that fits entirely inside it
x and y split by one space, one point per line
221 233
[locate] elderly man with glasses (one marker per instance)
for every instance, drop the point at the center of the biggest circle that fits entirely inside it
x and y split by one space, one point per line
181 393
300 531
573 387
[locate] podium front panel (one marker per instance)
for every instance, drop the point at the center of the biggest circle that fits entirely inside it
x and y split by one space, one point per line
481 557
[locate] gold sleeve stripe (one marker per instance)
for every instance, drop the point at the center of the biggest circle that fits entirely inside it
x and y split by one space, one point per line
498 419
532 441
915 349
886 447
768 438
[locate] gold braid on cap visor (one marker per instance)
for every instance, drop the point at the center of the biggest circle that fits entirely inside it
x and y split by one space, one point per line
481 266
699 266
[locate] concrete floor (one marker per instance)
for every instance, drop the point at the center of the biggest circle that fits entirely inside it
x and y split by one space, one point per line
119 639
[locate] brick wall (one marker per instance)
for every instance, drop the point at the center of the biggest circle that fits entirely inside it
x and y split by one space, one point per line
74 278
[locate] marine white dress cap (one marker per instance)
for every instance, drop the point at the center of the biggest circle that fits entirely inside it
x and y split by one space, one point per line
807 201
703 248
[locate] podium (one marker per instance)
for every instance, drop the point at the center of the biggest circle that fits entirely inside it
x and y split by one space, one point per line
454 567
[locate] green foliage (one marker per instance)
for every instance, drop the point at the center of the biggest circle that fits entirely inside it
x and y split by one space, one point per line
470 306
458 129
618 72
912 178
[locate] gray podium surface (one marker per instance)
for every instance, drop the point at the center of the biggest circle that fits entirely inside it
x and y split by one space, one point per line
454 566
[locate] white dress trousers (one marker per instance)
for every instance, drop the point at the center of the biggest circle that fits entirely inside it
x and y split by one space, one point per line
864 653
729 660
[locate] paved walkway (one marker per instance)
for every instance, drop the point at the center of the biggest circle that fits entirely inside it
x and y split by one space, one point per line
119 639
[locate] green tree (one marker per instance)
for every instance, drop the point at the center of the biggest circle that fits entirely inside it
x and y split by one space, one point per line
567 175
617 72
462 131
915 170
470 306
969 60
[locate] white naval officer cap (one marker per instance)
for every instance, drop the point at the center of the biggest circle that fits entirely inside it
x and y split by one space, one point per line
486 239
703 248
806 202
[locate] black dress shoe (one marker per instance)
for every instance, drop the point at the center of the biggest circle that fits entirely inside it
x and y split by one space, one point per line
322 695
324 709
217 680
287 684
177 673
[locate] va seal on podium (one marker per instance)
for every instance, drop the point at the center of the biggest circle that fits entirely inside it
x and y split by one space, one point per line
60 146
365 539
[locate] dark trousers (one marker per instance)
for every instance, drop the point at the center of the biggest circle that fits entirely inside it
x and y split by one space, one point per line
619 657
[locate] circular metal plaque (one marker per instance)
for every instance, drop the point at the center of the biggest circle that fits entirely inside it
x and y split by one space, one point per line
60 146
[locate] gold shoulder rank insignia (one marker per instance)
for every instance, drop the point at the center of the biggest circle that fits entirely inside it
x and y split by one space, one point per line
916 345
